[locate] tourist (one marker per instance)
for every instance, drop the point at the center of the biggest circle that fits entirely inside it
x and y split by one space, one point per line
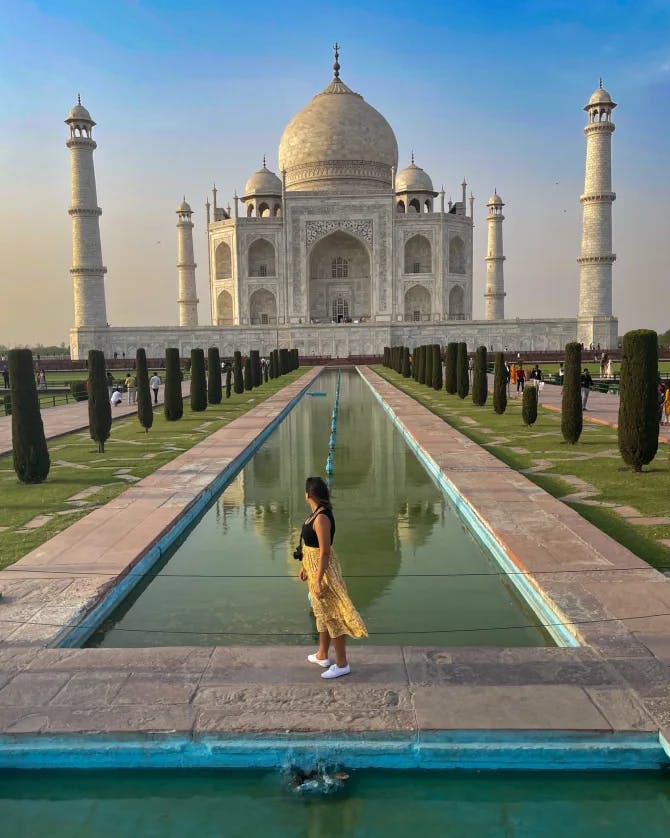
131 385
520 379
508 376
536 373
666 406
117 398
586 381
660 395
471 367
155 383
5 375
110 383
42 380
333 610
609 369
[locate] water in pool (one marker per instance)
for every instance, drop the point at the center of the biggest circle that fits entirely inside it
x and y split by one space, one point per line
414 571
387 804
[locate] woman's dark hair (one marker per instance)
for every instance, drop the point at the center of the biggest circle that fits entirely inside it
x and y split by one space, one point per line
317 490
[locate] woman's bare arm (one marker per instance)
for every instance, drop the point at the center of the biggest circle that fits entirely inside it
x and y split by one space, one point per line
322 530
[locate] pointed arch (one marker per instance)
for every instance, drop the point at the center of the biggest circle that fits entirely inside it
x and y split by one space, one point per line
223 261
418 255
418 303
262 307
261 258
456 303
224 309
456 255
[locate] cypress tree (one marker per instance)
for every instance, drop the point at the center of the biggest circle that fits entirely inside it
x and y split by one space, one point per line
480 385
238 381
638 405
437 367
414 364
256 372
428 375
198 381
462 375
145 411
405 363
265 373
99 407
385 357
283 361
30 452
451 361
500 384
296 359
229 376
214 394
529 405
421 367
173 403
248 374
571 406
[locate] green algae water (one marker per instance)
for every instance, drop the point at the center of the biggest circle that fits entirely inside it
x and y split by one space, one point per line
414 571
380 804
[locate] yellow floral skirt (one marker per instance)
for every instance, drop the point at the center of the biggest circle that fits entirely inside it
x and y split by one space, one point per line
334 612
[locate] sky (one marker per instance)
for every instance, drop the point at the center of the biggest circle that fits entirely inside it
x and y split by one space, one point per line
186 94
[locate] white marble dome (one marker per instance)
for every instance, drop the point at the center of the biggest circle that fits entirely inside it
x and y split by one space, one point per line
262 182
338 143
413 179
495 201
184 206
600 97
79 114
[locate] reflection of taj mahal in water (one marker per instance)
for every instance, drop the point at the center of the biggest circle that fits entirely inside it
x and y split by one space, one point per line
344 253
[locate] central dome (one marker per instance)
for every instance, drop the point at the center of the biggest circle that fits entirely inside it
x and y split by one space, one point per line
338 143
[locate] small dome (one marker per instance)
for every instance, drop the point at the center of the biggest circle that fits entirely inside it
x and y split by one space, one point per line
263 182
79 113
600 97
184 207
413 179
495 200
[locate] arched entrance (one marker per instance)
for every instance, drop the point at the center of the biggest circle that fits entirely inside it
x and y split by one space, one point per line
340 280
262 308
224 309
456 303
417 304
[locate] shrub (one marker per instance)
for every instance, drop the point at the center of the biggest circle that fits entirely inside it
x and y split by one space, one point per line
99 407
213 375
529 405
198 381
638 405
428 374
248 374
145 411
451 360
571 405
265 373
256 372
79 390
500 384
405 362
173 403
437 367
229 377
462 373
283 362
238 380
30 452
480 384
8 404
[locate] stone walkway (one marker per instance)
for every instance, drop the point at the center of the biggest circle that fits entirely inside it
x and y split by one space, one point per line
618 681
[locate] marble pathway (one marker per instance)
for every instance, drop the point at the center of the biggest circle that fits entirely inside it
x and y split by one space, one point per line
618 680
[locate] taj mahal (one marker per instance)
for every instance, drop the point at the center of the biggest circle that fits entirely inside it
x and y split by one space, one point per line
343 253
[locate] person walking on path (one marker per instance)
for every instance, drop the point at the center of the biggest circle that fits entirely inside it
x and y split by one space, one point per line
586 381
520 379
666 406
155 383
131 385
110 383
333 610
471 368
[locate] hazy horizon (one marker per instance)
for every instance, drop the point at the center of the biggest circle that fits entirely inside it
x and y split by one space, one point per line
185 97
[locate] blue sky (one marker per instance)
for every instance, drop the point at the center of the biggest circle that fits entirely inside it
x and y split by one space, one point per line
185 94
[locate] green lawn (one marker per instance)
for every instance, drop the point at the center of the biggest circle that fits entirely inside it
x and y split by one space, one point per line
130 454
595 459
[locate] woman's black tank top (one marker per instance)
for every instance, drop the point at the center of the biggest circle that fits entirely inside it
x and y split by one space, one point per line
308 534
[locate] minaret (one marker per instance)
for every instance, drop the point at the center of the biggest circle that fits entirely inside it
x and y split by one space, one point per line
494 298
595 261
187 300
87 269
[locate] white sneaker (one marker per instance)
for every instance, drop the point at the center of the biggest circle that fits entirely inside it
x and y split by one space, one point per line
322 662
335 671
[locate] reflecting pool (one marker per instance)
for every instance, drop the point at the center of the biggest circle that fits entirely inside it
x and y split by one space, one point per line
414 571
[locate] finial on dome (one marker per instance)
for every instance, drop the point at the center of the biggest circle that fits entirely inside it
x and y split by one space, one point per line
601 83
336 65
412 157
264 166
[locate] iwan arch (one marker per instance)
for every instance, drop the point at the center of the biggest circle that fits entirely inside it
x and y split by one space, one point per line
344 253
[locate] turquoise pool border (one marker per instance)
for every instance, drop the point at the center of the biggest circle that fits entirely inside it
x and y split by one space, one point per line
75 637
432 750
559 632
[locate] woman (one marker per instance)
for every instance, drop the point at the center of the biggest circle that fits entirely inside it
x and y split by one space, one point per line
334 611
666 406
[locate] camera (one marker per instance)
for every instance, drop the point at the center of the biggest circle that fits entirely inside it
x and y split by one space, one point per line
297 553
